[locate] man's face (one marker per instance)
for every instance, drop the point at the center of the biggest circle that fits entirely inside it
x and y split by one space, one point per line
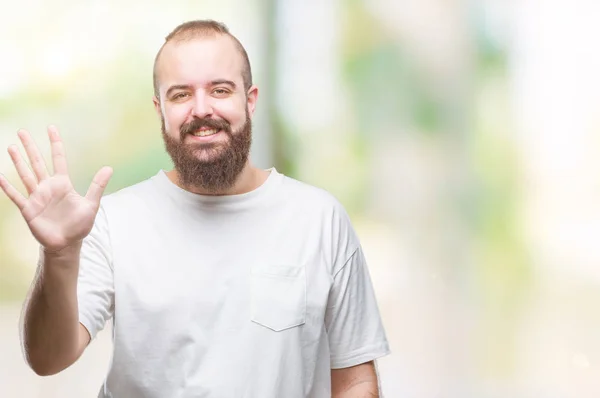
205 110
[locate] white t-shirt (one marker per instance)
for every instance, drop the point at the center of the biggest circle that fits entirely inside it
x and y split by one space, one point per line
256 295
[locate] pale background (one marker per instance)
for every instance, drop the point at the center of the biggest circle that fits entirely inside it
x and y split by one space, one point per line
462 137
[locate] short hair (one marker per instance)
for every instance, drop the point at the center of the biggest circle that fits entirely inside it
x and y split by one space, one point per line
203 28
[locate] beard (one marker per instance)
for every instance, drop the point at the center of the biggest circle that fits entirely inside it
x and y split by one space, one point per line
212 167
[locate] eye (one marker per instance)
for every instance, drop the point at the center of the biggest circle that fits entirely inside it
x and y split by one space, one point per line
221 91
179 96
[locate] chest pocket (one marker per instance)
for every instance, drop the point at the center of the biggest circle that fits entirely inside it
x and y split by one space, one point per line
278 296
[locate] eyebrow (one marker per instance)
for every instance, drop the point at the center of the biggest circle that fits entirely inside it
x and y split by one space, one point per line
223 81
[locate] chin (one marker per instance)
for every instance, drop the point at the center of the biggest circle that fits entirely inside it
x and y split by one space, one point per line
208 155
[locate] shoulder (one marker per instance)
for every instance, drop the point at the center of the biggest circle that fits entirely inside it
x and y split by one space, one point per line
129 197
311 197
320 206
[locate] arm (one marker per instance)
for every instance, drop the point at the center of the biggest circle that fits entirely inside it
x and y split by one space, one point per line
53 339
59 219
358 381
354 327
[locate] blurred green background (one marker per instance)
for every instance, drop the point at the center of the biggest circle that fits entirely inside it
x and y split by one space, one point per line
462 137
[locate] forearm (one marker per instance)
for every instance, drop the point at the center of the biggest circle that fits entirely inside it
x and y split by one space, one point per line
366 389
358 381
51 320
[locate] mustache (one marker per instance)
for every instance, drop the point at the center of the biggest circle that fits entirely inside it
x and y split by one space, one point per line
196 124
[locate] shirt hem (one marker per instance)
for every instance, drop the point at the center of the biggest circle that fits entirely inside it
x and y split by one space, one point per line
366 355
88 325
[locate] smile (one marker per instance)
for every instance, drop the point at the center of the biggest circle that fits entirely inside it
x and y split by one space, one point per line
205 133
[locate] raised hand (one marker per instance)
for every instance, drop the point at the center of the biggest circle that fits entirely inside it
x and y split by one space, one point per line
56 214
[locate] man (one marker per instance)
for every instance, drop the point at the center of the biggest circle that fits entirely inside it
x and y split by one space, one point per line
222 279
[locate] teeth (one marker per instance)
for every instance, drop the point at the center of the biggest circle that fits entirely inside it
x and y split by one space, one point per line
204 133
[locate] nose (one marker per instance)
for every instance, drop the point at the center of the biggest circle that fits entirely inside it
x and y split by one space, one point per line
202 106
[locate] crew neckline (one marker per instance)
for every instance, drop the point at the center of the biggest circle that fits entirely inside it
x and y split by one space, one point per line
180 194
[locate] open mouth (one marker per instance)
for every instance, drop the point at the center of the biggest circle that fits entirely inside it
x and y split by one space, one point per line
205 132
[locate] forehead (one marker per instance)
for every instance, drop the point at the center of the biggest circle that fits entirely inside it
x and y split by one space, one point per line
199 61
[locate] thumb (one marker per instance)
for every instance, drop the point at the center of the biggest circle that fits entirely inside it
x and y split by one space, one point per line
98 184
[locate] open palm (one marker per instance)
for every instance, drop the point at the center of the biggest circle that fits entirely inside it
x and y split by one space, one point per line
56 214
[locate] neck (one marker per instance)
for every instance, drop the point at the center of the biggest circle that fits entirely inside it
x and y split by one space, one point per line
250 178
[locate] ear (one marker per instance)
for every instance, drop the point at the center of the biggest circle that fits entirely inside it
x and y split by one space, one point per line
156 102
252 97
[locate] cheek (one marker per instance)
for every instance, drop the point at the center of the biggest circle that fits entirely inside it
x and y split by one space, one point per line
233 112
173 118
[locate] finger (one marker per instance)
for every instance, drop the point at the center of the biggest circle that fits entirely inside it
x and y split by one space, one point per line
12 193
22 169
98 185
35 157
59 158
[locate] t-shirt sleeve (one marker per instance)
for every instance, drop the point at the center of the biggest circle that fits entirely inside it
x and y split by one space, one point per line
95 286
355 331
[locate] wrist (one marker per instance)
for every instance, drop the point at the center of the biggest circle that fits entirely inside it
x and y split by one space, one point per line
66 252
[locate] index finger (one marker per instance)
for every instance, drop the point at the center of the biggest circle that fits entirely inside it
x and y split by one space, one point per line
59 158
